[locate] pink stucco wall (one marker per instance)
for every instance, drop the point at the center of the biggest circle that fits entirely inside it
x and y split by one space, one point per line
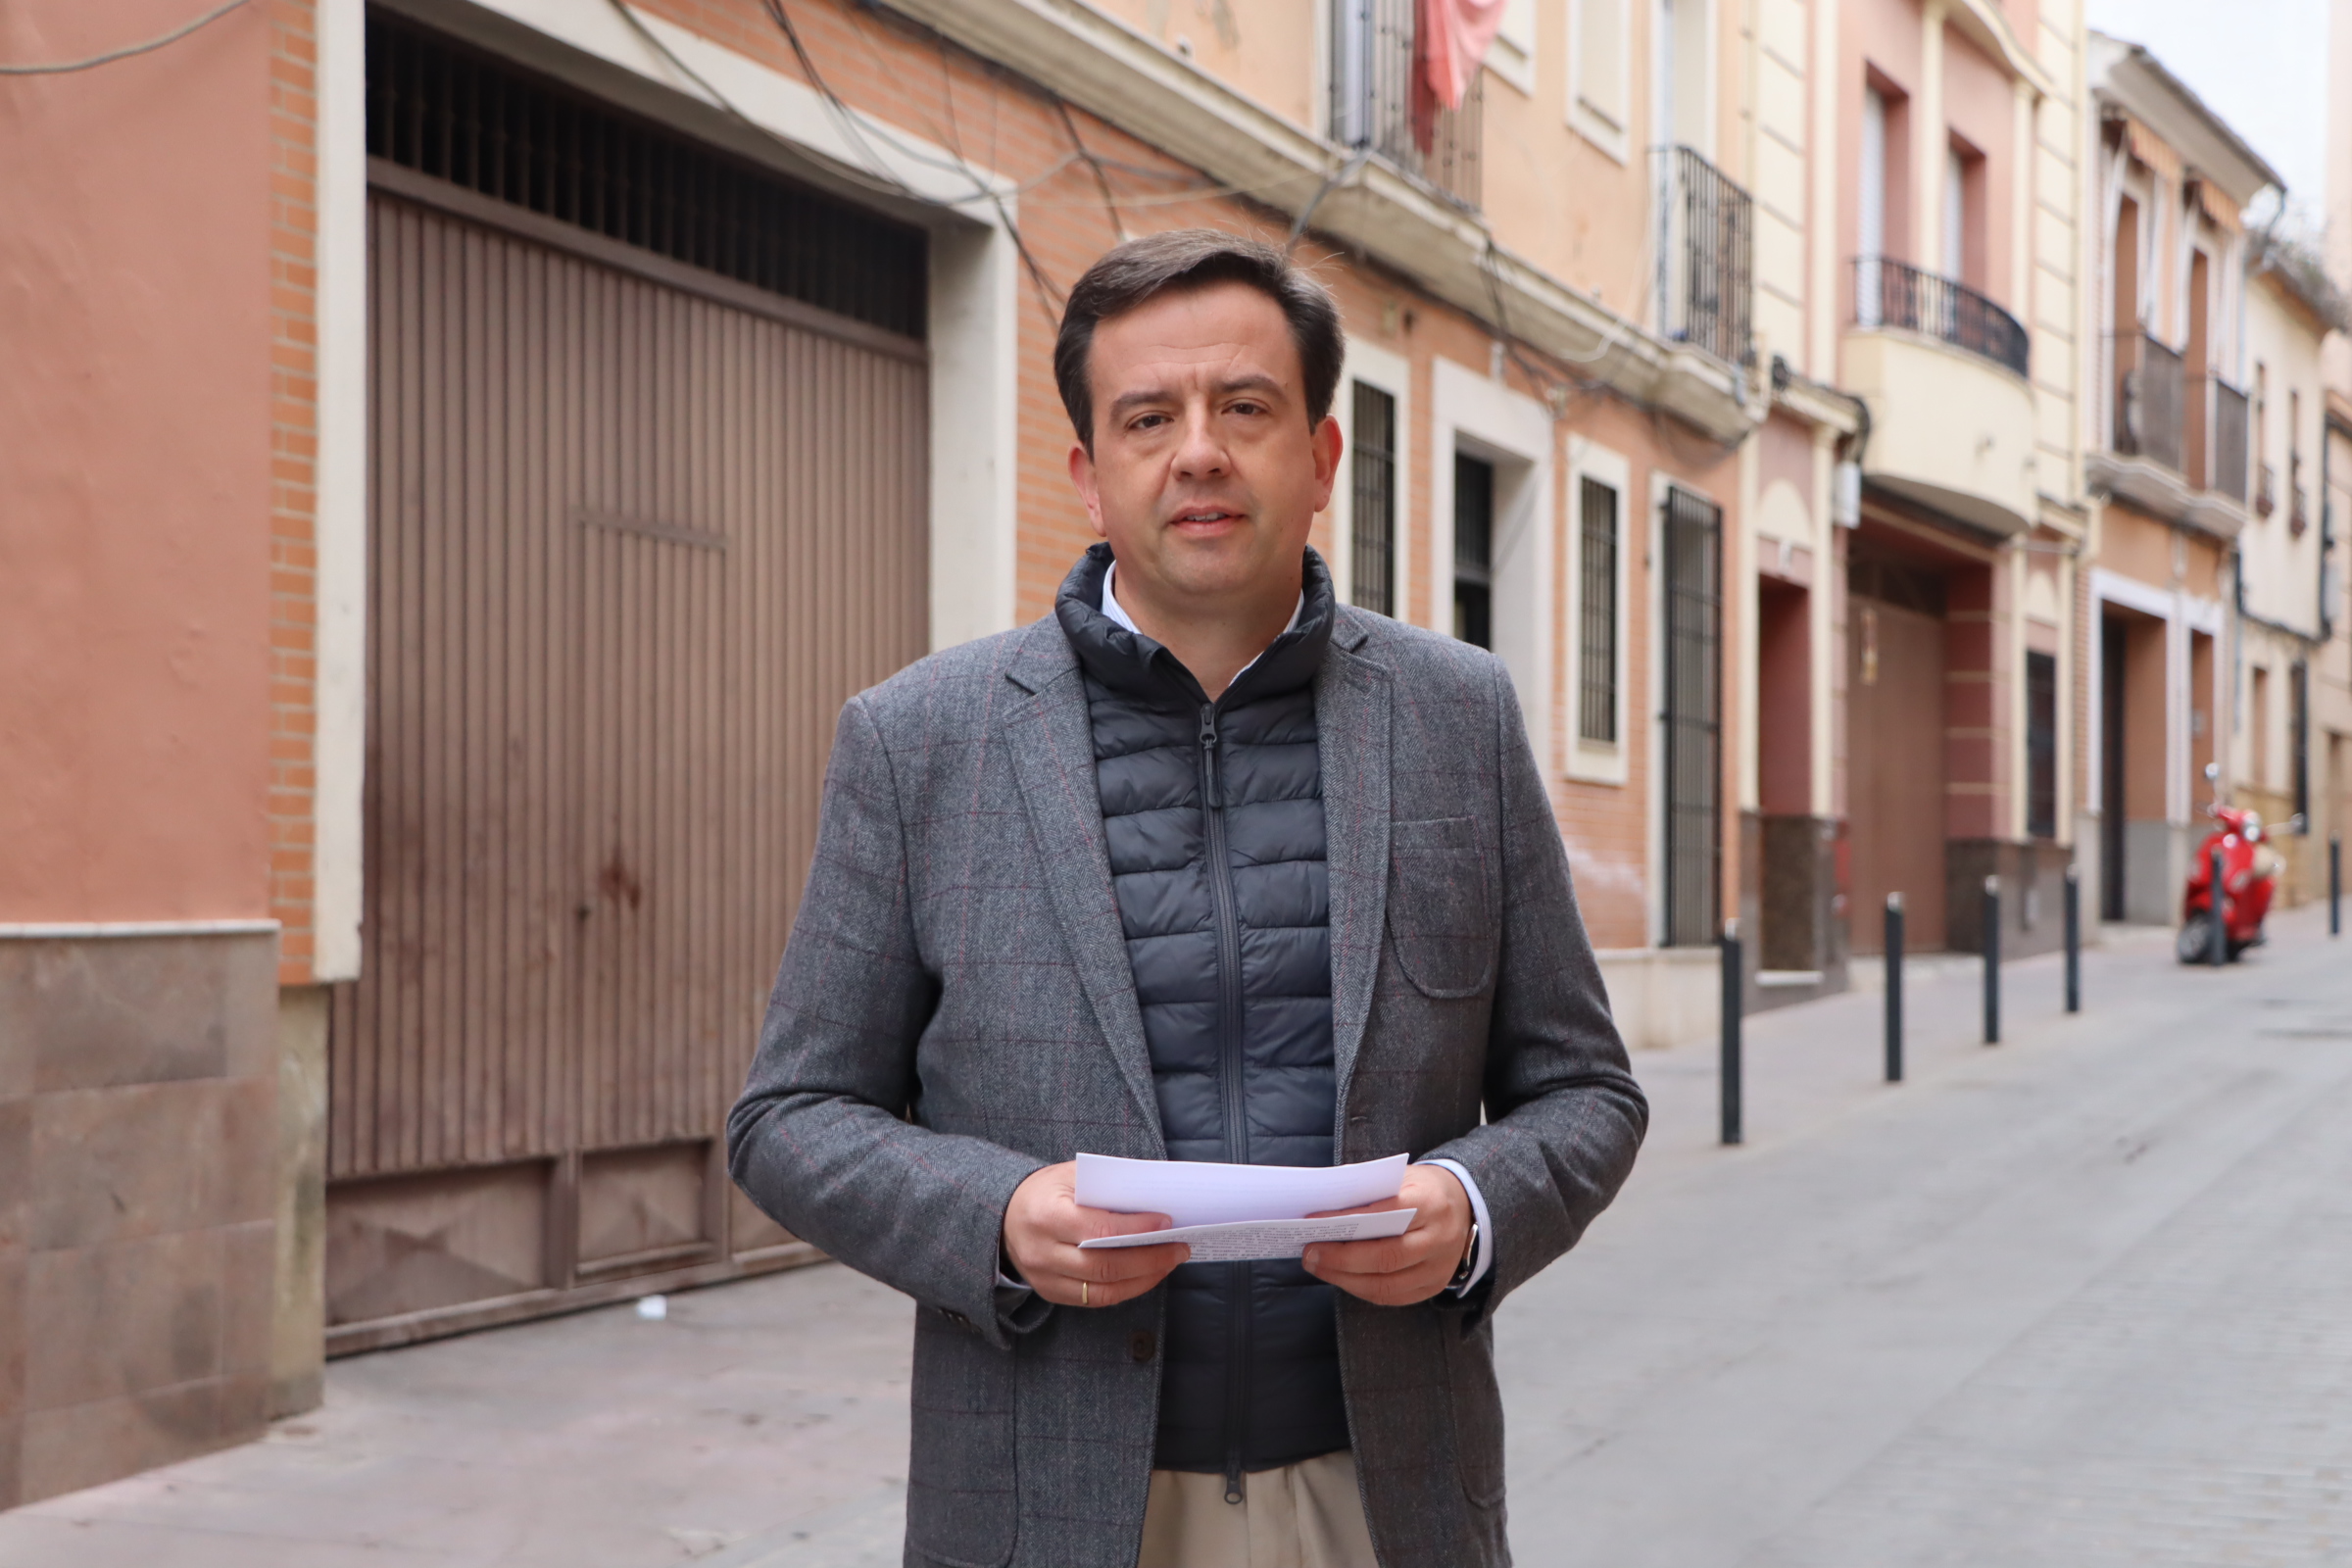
135 467
1885 40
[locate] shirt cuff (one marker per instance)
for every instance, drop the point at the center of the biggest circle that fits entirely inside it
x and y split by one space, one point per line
1485 1227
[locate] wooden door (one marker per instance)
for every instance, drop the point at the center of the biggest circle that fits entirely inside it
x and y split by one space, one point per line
1896 771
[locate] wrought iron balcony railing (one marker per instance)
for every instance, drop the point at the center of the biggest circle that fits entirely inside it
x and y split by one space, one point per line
2300 517
2226 468
1377 104
1891 293
1706 255
2147 400
2266 491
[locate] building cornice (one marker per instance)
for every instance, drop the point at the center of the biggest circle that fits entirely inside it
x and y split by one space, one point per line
1130 80
1984 26
2132 79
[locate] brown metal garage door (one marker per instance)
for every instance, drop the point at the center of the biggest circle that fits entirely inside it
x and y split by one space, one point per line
637 532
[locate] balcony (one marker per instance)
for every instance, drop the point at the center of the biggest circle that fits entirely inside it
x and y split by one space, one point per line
2225 467
2266 492
2147 401
1706 252
1378 105
2178 440
1891 293
1942 369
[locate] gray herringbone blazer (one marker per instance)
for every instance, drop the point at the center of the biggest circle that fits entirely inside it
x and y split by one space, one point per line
954 1010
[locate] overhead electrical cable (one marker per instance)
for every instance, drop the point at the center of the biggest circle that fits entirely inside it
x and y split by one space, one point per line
62 67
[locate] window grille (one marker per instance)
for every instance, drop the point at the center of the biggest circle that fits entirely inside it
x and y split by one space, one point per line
1373 515
1596 620
1693 718
2042 745
2298 738
442 110
1474 550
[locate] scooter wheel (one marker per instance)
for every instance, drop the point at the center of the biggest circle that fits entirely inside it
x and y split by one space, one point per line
2194 945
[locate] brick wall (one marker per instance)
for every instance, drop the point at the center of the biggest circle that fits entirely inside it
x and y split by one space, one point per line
293 475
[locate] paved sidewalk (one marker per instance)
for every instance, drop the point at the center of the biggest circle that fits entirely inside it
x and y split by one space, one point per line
2075 1301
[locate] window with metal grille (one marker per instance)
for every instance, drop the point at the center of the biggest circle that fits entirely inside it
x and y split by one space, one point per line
1596 613
1474 550
1373 513
2298 738
2042 745
1693 718
437 106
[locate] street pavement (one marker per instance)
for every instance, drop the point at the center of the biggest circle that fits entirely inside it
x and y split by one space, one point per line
2078 1301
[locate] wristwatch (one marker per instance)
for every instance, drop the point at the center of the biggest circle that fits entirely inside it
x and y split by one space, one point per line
1461 1275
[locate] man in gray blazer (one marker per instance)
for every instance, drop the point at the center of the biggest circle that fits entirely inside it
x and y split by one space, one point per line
1203 865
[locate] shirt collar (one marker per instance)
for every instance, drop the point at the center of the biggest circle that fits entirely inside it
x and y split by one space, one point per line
1118 614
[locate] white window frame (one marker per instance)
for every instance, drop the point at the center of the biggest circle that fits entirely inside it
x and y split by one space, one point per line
1614 139
1513 55
1471 412
1600 761
1392 373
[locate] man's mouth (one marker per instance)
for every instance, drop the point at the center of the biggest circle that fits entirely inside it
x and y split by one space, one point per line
1200 516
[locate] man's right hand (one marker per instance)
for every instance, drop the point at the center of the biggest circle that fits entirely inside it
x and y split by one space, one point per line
1044 1225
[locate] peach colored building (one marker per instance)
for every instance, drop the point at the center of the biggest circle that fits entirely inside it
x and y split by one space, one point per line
156 592
485 440
1961 142
2169 422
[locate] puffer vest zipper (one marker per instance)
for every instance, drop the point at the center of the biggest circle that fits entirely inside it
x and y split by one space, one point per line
1212 812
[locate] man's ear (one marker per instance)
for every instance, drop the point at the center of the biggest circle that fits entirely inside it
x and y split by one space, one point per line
1327 444
1082 479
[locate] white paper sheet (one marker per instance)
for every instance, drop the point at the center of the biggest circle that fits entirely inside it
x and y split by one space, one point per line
1250 1239
1199 1192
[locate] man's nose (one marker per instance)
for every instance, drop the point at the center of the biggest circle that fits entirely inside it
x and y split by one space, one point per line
1201 452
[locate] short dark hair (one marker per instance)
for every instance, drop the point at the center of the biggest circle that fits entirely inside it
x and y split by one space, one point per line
1142 270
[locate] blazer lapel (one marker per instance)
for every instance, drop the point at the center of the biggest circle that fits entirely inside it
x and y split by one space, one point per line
1048 737
1352 710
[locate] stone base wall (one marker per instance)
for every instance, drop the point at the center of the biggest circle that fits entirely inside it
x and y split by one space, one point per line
2033 878
138 1199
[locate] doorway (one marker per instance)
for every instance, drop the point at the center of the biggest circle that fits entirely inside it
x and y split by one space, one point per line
1693 718
1895 762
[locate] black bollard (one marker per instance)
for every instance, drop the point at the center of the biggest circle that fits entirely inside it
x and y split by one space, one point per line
1894 988
1732 1133
2335 884
2216 943
2073 937
1992 961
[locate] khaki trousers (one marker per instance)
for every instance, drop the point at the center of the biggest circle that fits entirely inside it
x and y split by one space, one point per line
1304 1515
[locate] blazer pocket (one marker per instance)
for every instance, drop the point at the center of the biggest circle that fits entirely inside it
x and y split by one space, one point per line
1477 1413
962 1501
1441 920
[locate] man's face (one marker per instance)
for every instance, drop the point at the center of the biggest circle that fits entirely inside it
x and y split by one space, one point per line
1206 473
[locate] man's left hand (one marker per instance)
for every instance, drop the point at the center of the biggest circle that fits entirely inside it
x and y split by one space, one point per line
1399 1270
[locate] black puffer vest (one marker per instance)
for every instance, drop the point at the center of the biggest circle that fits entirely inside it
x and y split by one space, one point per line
1214 818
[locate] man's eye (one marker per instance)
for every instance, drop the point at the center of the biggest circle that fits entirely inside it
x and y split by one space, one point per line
1148 422
1246 407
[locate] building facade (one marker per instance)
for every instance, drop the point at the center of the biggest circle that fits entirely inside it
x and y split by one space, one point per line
2169 444
2287 599
1961 141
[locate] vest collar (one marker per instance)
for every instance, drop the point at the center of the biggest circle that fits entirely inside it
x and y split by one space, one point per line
1130 663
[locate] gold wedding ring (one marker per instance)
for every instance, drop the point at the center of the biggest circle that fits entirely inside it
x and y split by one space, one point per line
1085 1294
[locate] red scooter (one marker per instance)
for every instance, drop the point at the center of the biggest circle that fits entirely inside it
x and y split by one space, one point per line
2249 876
